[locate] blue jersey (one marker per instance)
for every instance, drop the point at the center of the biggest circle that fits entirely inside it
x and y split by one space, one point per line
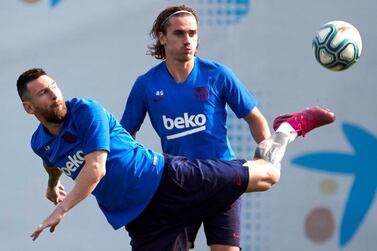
133 172
189 117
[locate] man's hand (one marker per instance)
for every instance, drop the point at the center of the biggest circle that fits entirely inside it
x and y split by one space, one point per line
90 175
50 222
56 194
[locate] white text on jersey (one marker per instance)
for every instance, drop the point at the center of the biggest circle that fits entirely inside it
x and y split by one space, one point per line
73 163
194 124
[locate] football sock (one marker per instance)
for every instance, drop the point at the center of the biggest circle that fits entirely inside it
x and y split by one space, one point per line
273 148
288 130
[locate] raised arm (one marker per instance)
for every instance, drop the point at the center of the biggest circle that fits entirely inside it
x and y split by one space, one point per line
87 180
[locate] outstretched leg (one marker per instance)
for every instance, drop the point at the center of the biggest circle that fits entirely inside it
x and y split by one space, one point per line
264 170
287 128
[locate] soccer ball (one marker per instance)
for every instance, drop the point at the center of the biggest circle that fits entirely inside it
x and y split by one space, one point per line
337 45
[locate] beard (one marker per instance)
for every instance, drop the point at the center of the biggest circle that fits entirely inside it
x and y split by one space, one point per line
55 114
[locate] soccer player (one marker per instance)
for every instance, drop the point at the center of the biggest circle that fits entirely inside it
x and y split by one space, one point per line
153 195
186 97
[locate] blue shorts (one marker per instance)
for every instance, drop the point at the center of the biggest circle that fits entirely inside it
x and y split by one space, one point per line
190 190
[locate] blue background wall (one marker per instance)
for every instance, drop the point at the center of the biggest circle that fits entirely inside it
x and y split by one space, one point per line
326 198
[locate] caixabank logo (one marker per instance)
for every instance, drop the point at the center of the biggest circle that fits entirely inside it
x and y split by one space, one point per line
52 3
220 12
324 221
360 164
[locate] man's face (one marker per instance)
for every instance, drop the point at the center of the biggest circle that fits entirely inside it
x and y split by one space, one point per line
181 38
45 100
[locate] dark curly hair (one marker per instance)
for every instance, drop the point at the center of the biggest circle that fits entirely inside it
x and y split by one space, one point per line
161 23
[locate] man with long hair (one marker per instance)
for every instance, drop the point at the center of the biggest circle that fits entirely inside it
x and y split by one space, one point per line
186 98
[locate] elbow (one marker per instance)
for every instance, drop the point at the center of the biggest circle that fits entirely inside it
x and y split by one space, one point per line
103 173
100 172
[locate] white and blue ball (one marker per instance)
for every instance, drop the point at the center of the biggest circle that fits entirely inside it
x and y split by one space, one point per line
337 45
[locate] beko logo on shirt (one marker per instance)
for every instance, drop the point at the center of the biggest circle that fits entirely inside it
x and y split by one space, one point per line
194 123
73 163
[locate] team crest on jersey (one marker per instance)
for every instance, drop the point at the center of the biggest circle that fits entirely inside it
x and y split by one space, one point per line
202 93
69 137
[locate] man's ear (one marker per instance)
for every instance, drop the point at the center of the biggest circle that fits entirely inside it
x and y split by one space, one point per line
161 38
28 107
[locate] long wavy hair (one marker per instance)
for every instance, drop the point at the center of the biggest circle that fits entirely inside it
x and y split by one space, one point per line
156 49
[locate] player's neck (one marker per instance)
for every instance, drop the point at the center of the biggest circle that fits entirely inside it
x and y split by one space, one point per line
52 128
179 70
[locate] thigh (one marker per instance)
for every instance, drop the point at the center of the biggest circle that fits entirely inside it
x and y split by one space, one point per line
160 226
207 188
153 231
192 231
224 228
189 192
200 188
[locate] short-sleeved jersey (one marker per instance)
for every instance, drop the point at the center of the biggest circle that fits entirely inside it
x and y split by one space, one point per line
133 172
189 117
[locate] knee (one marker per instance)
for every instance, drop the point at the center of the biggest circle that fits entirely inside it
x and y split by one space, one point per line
262 178
270 178
273 176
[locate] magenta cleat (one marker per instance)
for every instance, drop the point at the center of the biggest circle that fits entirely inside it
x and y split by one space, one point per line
304 122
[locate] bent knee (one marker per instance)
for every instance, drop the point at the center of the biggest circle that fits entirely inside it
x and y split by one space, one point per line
271 178
262 179
274 176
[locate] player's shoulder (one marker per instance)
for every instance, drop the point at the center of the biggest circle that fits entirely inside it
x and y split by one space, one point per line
39 138
82 109
82 103
211 65
152 73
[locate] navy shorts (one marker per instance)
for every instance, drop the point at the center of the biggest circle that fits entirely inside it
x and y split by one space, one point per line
190 190
222 228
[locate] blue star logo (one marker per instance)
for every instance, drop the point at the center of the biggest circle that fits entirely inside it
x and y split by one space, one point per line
361 164
53 3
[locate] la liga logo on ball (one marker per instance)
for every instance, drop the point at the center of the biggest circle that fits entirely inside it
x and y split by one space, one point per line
337 45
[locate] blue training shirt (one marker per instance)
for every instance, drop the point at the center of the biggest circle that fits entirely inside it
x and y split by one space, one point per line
133 172
189 117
